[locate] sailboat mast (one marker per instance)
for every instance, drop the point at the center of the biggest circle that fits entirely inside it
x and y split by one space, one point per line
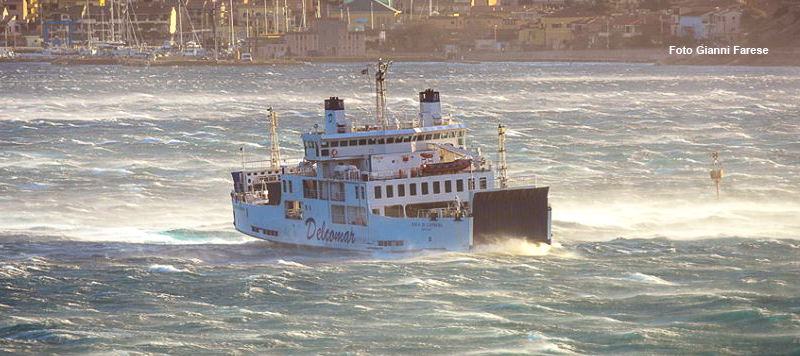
304 14
266 22
180 26
233 37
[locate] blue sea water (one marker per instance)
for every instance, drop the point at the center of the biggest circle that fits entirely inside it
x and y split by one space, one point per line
116 236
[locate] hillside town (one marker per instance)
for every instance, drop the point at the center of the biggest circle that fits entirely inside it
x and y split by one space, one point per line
451 29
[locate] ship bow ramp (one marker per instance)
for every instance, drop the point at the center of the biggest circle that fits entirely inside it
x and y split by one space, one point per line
522 213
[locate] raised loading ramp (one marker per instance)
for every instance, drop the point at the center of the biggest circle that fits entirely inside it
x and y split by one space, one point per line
510 213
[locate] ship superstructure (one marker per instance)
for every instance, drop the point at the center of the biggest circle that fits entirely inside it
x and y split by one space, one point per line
396 187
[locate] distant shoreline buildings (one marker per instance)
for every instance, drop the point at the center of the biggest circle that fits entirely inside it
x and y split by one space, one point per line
273 29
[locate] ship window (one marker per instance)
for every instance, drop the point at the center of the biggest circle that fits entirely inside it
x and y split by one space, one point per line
377 192
401 190
395 211
362 141
461 133
324 144
460 185
371 141
284 186
471 184
428 137
337 214
412 189
436 188
325 152
436 136
461 142
334 143
390 140
337 190
389 191
376 211
291 188
483 182
356 215
343 143
407 139
353 142
358 196
381 141
363 196
293 209
424 188
448 186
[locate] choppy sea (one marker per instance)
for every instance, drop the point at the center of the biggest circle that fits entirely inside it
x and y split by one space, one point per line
116 235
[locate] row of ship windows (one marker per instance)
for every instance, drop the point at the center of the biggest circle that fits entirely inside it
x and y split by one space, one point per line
397 139
313 189
424 187
264 231
387 140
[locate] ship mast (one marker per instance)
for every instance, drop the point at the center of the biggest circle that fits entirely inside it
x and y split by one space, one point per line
380 93
501 153
274 148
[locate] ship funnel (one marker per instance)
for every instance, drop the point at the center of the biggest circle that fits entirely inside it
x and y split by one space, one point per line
335 122
430 110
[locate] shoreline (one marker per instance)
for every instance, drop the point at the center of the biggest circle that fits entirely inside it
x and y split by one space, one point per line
651 56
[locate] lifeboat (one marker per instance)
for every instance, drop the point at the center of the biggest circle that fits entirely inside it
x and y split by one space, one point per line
438 168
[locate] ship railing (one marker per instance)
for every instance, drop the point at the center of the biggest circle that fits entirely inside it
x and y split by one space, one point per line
387 174
355 176
435 213
520 180
269 178
311 193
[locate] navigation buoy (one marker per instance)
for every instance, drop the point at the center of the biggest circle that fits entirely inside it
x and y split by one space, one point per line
716 171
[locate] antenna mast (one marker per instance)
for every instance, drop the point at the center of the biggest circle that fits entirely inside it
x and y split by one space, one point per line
275 148
380 93
501 153
716 171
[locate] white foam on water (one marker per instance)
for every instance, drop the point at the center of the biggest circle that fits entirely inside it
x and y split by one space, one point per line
291 264
165 269
646 278
513 246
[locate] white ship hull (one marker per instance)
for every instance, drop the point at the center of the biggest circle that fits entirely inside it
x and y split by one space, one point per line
380 233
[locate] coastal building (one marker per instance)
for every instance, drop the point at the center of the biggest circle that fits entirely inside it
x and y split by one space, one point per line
326 37
558 30
693 24
370 14
725 25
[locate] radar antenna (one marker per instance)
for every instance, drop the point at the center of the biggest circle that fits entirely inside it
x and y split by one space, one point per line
716 171
274 148
501 153
380 93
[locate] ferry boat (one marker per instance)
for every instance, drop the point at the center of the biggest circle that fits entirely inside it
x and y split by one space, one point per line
396 187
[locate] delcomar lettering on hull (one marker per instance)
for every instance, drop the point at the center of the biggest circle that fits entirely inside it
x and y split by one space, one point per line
411 185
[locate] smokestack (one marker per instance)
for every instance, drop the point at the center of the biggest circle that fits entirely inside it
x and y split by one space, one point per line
335 122
430 111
